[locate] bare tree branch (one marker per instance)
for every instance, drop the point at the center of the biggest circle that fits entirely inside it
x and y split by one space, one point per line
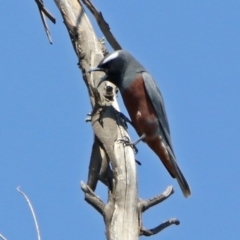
143 205
96 161
103 25
92 198
32 211
44 12
159 228
2 237
146 204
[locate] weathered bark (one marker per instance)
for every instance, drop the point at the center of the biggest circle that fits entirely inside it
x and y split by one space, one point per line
121 211
111 161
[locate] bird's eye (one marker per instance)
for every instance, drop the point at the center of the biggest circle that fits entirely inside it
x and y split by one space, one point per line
106 65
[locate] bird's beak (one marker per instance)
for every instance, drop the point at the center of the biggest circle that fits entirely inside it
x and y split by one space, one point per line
95 69
103 79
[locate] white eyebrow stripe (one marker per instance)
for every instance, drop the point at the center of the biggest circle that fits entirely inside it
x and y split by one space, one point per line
110 57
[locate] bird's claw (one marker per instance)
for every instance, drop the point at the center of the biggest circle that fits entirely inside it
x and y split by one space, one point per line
125 120
89 117
138 162
127 142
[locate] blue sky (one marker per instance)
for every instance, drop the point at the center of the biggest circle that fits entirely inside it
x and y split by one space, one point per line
192 48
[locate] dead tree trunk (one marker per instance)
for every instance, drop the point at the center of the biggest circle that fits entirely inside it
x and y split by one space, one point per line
111 162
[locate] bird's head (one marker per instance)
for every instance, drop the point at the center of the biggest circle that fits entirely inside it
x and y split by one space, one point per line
114 65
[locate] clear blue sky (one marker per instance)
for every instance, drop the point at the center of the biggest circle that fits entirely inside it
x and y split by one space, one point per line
192 48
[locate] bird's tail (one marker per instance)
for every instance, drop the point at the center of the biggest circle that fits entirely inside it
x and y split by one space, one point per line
179 176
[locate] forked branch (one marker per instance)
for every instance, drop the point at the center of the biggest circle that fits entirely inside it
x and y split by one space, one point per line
103 25
44 12
146 204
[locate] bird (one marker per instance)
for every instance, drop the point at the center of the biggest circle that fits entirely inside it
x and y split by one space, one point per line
144 103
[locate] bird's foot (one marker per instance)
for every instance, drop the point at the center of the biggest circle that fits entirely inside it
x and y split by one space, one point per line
138 162
89 117
124 120
127 142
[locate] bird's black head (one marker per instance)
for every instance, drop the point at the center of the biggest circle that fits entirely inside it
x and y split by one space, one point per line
114 65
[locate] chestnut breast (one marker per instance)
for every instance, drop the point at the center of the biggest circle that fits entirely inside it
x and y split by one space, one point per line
140 108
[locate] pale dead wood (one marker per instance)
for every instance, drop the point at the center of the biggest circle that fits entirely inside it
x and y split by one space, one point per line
32 211
98 158
2 237
120 215
92 198
121 211
85 43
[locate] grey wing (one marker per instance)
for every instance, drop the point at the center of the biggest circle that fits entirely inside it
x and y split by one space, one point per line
158 104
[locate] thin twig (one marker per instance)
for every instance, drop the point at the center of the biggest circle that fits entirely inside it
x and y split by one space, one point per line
2 237
44 12
103 25
45 26
32 211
